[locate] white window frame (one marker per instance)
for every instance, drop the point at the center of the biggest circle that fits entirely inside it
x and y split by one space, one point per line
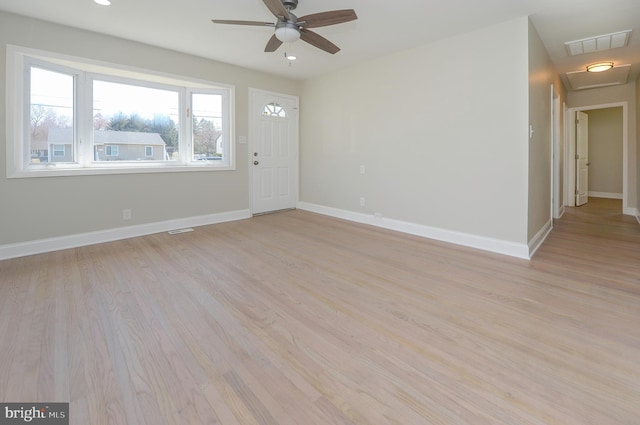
148 149
19 59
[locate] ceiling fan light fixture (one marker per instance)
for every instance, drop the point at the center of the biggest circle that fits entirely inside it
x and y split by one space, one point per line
290 56
600 67
287 33
103 2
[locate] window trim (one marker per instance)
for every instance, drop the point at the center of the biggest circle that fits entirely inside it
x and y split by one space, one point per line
148 155
17 113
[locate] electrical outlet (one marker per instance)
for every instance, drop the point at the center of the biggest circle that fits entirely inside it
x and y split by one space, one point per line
362 169
126 214
362 201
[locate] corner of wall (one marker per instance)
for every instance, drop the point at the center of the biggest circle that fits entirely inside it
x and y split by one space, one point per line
637 203
541 77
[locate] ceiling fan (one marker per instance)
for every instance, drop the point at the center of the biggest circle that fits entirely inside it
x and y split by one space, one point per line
290 28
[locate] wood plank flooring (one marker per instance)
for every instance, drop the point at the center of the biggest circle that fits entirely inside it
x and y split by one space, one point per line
297 318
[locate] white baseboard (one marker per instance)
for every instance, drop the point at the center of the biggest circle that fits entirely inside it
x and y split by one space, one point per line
72 241
607 195
539 238
480 242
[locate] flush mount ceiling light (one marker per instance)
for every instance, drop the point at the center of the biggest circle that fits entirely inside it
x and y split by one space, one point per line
103 2
600 67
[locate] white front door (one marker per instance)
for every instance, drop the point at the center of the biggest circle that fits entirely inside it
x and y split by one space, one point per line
273 151
582 158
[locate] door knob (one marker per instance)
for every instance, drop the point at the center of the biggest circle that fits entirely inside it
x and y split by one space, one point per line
255 163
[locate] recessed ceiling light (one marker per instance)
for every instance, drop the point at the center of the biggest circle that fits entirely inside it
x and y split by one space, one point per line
103 2
600 67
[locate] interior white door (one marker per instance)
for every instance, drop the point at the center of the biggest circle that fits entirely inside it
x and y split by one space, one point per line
582 158
273 151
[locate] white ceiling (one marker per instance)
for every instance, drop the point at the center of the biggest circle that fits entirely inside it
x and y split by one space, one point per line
383 27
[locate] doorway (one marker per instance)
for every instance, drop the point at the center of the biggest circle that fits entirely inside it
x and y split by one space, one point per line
571 153
273 151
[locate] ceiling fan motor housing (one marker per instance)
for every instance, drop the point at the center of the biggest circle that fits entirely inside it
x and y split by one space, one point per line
290 4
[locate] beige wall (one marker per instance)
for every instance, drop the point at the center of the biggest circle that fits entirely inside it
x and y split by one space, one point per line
605 150
606 95
38 208
441 130
541 77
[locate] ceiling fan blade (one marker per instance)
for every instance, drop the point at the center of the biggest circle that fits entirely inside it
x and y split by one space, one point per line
254 23
323 19
318 41
277 8
272 44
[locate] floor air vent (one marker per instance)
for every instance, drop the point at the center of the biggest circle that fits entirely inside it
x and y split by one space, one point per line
178 231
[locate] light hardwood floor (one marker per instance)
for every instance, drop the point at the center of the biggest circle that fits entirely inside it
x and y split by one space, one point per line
297 318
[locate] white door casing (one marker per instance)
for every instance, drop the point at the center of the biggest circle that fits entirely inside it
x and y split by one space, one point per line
273 151
629 168
582 158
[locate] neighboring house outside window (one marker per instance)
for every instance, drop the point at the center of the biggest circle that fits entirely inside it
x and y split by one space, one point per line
111 150
58 150
118 145
59 147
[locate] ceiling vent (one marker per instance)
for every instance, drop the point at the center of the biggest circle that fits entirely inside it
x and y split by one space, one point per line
598 43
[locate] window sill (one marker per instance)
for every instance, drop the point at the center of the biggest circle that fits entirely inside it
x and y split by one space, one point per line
109 170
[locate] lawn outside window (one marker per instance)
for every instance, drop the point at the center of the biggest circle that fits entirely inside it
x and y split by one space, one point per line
72 116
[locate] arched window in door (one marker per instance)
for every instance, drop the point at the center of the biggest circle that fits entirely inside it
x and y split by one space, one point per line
274 110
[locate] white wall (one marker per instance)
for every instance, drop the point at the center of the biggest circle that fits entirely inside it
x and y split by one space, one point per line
441 130
542 77
39 208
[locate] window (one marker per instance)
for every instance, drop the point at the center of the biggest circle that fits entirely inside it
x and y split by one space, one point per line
69 116
135 116
111 150
274 110
51 113
58 150
208 126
